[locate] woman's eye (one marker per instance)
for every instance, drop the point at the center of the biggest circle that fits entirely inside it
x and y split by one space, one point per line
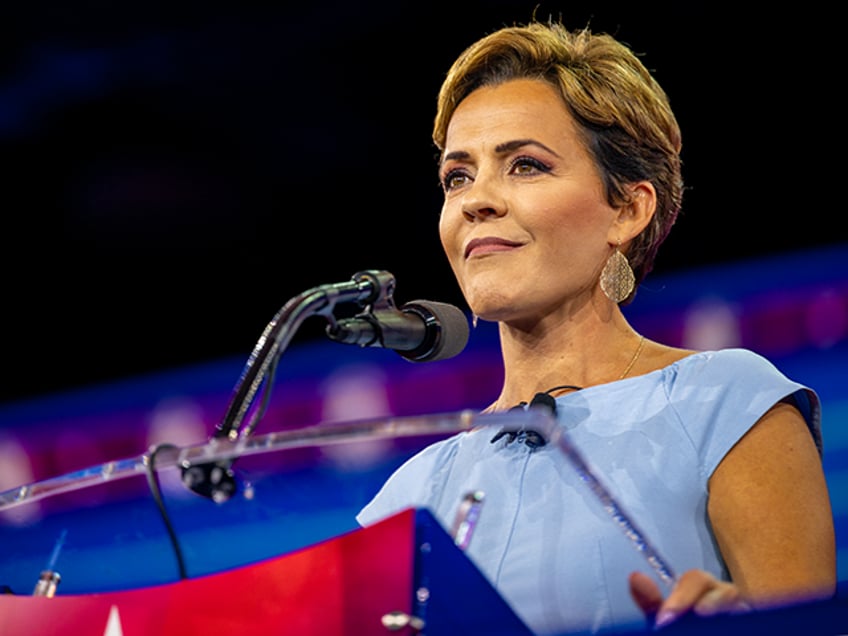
454 179
528 165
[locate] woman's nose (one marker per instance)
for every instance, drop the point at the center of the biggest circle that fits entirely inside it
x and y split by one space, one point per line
482 200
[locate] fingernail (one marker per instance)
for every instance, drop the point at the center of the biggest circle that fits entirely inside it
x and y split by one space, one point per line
664 617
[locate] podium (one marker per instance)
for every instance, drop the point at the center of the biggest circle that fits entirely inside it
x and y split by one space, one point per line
399 575
404 575
316 573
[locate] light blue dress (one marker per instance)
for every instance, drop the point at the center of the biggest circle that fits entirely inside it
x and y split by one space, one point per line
545 541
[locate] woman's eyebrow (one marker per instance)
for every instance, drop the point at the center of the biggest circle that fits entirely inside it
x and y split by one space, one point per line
503 148
509 146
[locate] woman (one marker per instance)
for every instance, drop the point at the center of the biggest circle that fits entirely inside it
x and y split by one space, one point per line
560 164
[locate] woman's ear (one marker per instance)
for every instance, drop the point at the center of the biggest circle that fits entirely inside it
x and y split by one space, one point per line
634 215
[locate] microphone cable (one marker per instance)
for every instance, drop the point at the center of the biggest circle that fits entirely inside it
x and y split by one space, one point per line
267 389
156 492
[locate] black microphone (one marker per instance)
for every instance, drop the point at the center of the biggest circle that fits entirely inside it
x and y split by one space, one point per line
421 331
533 438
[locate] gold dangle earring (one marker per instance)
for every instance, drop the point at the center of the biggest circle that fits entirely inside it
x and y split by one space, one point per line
617 279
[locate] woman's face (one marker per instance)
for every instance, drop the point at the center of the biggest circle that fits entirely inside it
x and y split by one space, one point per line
525 223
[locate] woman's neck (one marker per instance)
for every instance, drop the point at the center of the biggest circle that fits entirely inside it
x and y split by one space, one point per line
566 356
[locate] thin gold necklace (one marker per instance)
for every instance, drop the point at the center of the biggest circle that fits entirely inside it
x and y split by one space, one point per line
634 358
621 377
573 387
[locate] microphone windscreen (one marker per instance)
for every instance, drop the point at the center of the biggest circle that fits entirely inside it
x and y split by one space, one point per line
447 328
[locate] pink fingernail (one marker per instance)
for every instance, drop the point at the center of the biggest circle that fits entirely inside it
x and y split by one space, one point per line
664 617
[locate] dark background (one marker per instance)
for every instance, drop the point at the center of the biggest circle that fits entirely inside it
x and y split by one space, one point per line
175 172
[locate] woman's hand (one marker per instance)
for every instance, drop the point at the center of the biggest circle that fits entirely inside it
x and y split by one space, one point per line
695 590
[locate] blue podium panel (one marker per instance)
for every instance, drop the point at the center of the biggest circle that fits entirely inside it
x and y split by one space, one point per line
451 594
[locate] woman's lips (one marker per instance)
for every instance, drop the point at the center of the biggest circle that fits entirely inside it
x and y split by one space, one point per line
487 245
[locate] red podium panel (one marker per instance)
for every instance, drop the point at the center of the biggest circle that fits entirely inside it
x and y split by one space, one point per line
341 586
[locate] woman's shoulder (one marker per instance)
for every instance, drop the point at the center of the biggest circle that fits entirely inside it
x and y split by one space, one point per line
676 359
737 374
657 355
